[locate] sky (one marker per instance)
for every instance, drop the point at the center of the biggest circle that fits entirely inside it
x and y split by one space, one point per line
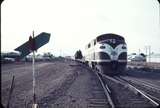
74 23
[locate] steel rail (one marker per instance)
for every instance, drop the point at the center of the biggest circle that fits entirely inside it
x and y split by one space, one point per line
119 80
147 84
154 103
153 97
106 90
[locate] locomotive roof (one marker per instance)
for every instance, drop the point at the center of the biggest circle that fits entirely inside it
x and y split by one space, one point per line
104 37
109 36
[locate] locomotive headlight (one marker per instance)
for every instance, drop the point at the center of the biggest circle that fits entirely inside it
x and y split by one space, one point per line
113 53
102 47
124 47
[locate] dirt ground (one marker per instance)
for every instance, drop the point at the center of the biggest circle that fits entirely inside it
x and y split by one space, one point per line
77 94
50 78
59 84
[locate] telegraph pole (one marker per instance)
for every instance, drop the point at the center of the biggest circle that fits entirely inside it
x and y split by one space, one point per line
149 47
139 50
159 12
145 48
148 52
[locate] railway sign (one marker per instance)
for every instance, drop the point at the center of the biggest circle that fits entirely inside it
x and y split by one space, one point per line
39 41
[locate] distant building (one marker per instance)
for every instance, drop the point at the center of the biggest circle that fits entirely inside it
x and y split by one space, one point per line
143 58
7 57
137 57
68 57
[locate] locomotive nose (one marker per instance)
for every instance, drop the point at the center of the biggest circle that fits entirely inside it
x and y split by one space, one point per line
114 56
114 64
113 53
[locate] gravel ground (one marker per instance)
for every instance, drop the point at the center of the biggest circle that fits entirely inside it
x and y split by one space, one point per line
59 84
125 98
150 90
50 79
150 76
141 77
78 93
81 93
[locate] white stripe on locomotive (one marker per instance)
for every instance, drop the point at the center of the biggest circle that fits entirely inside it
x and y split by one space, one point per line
108 49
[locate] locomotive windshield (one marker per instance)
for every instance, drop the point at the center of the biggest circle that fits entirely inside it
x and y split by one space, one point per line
111 39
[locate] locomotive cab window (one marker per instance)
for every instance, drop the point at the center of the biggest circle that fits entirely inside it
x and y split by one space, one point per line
89 45
94 42
102 47
124 47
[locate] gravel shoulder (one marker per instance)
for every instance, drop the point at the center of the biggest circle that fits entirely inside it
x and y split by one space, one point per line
50 78
79 92
59 84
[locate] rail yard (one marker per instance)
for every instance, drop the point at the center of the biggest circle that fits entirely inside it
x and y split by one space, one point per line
80 54
66 83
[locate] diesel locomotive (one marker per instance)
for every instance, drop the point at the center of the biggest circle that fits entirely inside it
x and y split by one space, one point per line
107 53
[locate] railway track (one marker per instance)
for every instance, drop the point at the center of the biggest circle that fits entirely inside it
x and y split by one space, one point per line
99 99
121 94
142 82
149 89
